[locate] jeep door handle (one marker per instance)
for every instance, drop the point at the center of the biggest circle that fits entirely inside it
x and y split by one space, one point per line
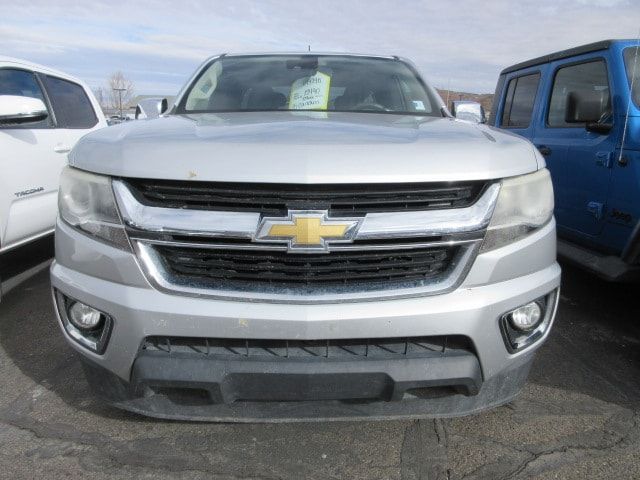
544 150
62 149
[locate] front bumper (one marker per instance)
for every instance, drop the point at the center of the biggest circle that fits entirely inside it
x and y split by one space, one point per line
126 376
495 391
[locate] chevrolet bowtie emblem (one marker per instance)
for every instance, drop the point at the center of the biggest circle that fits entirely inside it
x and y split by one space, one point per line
307 230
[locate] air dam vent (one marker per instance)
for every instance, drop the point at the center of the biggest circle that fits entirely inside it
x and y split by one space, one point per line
365 348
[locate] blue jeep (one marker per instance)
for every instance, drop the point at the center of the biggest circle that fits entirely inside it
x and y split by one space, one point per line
581 108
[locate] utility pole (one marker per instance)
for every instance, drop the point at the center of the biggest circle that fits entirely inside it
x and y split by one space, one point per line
448 92
120 90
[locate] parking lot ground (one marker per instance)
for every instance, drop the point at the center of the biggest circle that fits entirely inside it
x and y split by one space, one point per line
23 262
577 418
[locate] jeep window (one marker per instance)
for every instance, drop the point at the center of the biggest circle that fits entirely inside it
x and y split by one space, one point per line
632 61
23 83
590 77
309 82
71 104
518 106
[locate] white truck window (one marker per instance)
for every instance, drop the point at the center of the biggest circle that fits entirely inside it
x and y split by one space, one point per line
71 105
22 83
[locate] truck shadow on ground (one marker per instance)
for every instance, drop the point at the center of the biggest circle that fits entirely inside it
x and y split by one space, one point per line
593 348
30 337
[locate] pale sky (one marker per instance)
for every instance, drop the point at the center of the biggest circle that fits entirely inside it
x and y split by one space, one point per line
156 43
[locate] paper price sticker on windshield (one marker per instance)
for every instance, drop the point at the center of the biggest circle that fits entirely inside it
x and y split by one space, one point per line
310 93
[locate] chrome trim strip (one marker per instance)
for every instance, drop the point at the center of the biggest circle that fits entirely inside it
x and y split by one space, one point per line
283 248
431 222
153 268
210 223
183 221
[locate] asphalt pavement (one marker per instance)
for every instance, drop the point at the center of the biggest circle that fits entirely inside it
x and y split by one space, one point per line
24 262
577 417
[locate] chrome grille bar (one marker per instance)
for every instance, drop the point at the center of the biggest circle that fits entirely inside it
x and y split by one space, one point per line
218 224
283 248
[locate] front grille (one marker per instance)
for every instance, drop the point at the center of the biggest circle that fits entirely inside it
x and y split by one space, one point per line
277 199
362 348
392 258
234 268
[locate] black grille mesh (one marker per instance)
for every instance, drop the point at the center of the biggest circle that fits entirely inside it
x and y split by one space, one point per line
339 268
276 199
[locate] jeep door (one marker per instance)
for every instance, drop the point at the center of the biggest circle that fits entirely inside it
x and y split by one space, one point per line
623 213
579 160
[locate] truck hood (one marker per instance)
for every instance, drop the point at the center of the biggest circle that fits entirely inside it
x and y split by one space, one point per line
305 147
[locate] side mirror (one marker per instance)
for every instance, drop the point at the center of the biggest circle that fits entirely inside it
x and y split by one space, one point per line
15 110
469 111
599 127
151 108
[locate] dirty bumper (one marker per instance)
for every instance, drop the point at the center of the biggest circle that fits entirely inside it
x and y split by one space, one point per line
212 390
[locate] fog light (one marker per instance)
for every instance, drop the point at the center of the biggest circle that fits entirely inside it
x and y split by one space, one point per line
84 317
526 317
86 325
525 325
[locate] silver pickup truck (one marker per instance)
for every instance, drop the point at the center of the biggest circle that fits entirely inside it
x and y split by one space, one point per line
305 236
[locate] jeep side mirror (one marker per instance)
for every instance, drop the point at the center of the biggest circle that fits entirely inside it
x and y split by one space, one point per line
598 127
16 110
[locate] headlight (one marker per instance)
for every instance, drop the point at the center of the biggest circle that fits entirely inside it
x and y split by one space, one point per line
525 204
86 202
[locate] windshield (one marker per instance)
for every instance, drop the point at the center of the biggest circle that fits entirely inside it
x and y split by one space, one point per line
632 61
309 82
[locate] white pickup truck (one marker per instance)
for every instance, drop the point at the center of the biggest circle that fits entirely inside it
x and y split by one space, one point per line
43 113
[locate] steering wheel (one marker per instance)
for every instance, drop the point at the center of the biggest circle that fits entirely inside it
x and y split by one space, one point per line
371 106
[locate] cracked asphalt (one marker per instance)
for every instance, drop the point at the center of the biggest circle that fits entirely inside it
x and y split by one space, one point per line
577 417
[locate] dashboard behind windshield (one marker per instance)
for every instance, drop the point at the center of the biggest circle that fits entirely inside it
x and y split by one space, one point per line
309 83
